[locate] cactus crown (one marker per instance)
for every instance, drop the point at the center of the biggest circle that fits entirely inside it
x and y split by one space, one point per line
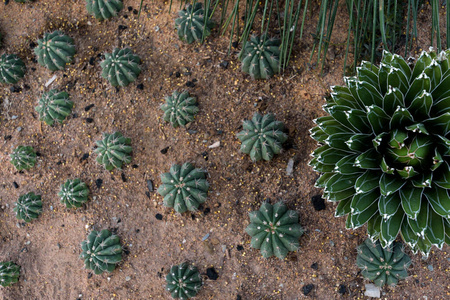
23 158
183 281
9 273
179 109
191 24
104 9
54 106
260 57
73 193
113 150
28 207
55 50
121 67
12 68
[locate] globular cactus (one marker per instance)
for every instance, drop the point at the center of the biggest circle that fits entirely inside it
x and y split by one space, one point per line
382 266
55 50
9 273
184 188
191 24
23 158
113 150
183 281
73 193
260 57
54 106
262 137
179 109
28 207
104 9
12 68
121 67
274 230
101 251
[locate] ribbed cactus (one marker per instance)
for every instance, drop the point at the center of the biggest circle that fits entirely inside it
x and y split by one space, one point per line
260 57
9 273
54 106
73 193
184 188
121 67
104 9
101 251
179 108
262 137
23 158
191 24
12 68
274 230
183 281
55 50
28 207
382 266
113 150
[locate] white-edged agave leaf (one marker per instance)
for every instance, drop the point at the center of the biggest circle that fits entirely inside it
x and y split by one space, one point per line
358 119
437 162
417 128
340 182
339 113
439 200
397 138
409 236
420 84
322 180
390 228
358 220
367 182
361 202
411 201
397 79
343 208
338 141
339 196
393 99
369 66
423 180
419 225
331 156
342 96
447 231
439 124
398 62
368 94
346 165
318 134
445 141
320 167
374 227
358 142
434 72
368 73
443 178
382 77
369 160
378 119
407 172
376 142
425 246
330 125
443 58
319 150
441 91
386 168
436 230
352 87
389 205
399 117
422 62
440 107
421 106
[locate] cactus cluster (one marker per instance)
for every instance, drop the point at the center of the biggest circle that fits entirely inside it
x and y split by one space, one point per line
55 50
28 207
179 108
183 281
260 57
9 273
73 193
54 106
113 150
191 24
104 9
23 158
121 67
12 68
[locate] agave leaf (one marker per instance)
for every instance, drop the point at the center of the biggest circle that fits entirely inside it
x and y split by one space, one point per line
382 77
318 134
422 180
441 106
421 106
320 167
424 246
411 201
376 142
390 228
368 94
367 182
447 231
340 182
437 162
343 207
346 165
436 230
408 235
388 205
331 126
390 184
342 96
439 200
439 124
358 220
417 127
392 100
358 119
340 196
331 156
434 72
351 83
338 141
374 227
398 138
420 84
339 113
361 202
359 141
399 117
385 168
378 119
322 180
398 62
442 179
397 79
419 224
422 62
441 91
407 172
368 160
366 73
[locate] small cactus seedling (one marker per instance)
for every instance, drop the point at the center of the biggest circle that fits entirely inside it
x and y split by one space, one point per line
262 137
121 67
54 106
184 188
113 150
191 24
274 230
382 266
73 193
260 57
12 68
55 50
23 158
28 207
101 251
9 273
179 109
183 281
104 9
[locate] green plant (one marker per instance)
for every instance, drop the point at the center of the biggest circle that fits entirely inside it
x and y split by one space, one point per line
191 25
12 68
23 158
54 106
113 150
28 207
121 67
383 150
104 9
179 109
274 230
183 281
73 193
383 266
9 273
101 251
260 57
184 188
55 50
262 137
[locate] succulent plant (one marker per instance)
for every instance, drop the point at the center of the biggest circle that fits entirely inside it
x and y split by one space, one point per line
28 207
183 281
104 9
382 266
55 50
12 68
179 109
74 193
260 57
9 273
54 106
121 67
101 251
23 158
274 230
384 150
184 188
191 25
262 137
113 150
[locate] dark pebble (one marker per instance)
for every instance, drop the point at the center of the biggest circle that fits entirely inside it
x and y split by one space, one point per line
307 289
224 64
24 249
92 60
125 16
207 211
38 153
15 185
138 230
35 61
33 69
26 87
164 151
6 2
89 275
238 297
318 202
8 137
140 86
135 11
74 115
235 44
187 73
59 163
212 273
147 194
205 156
130 8
239 247
87 108
342 289
193 217
134 166
122 27
124 178
15 89
194 80
33 45
150 185
84 157
315 266
98 183
190 84
177 74
89 120
159 217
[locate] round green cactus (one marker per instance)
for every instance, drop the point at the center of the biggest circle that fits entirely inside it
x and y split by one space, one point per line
384 150
104 9
9 273
23 158
382 266
73 193
262 137
55 50
179 109
121 67
184 188
191 24
260 57
113 150
101 251
12 68
183 281
28 207
54 106
274 230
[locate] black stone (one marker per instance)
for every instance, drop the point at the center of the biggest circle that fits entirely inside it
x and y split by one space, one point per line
59 163
8 137
147 194
15 185
150 185
239 247
87 108
92 60
124 178
89 275
318 202
130 8
315 266
342 289
193 217
125 16
33 45
84 157
159 217
134 166
212 273
194 80
205 156
235 44
138 230
164 151
238 297
307 289
89 120
99 183
190 84
26 87
135 11
177 74
206 211
140 86
122 27
38 153
6 2
15 89
74 115
224 64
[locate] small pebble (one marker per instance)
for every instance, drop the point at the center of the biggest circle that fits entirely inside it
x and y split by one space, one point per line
99 183
315 266
14 117
239 247
430 267
89 275
128 278
372 290
212 273
140 86
19 129
159 217
306 289
87 108
122 27
318 202
205 237
15 185
190 84
89 120
150 185
84 157
164 150
290 167
224 64
342 289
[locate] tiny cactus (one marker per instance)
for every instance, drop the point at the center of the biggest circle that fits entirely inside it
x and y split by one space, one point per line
73 193
113 150
104 9
54 106
28 207
9 273
12 68
191 24
23 158
183 281
55 50
260 57
179 109
121 67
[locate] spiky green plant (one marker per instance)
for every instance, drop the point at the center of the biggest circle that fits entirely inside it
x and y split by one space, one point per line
191 25
184 187
73 193
183 281
23 158
113 150
12 68
384 150
54 106
55 50
101 251
28 207
9 273
104 9
180 108
274 230
262 137
260 57
121 67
